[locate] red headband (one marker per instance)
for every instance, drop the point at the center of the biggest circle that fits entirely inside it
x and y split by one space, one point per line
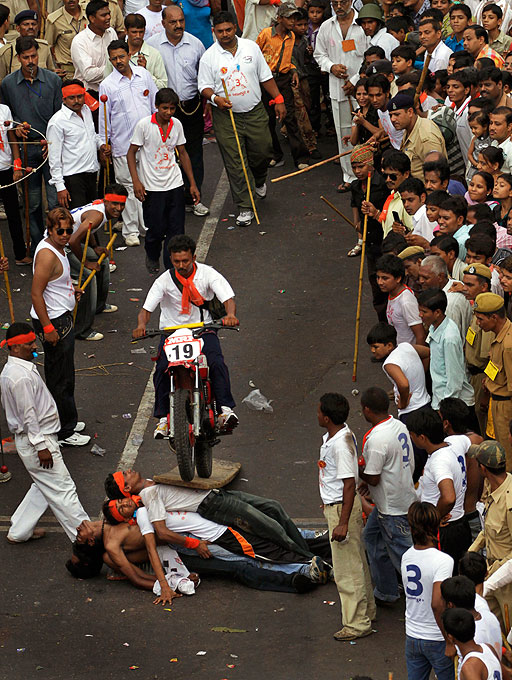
115 198
119 480
117 515
22 339
71 90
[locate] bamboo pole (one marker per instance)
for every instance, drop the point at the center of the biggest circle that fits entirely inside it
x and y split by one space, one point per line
82 265
7 285
100 260
240 153
424 72
310 167
338 211
361 270
27 205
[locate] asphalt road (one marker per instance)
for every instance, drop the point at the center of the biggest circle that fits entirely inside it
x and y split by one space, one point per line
296 295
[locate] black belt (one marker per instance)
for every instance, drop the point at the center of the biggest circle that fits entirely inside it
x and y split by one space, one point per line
497 397
475 370
207 500
461 520
335 503
472 515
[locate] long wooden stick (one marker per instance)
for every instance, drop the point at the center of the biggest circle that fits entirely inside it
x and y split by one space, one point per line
82 265
361 270
338 211
100 260
424 72
507 617
7 285
27 208
241 154
310 167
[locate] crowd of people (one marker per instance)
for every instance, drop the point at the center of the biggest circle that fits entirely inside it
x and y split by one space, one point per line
108 106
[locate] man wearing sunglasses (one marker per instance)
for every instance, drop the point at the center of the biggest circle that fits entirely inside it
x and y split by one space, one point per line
53 301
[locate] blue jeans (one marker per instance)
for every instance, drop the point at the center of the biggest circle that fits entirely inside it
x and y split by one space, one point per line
35 200
423 655
386 537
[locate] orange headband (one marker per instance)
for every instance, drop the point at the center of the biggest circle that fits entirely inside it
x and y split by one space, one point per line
71 90
117 515
119 480
22 339
115 198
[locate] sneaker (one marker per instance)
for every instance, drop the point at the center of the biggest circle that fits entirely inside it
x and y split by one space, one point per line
276 163
261 191
93 336
152 266
25 262
80 426
228 419
75 439
109 309
200 210
303 584
112 267
117 227
319 570
161 430
3 215
5 476
132 240
189 208
302 166
245 218
345 635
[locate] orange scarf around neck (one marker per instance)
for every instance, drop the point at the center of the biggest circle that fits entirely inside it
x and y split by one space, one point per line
190 292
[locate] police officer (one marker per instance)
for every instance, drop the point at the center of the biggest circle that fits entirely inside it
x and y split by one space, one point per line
496 536
477 280
490 314
27 25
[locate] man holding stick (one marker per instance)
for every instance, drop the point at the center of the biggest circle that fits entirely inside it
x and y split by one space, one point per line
95 215
53 301
240 63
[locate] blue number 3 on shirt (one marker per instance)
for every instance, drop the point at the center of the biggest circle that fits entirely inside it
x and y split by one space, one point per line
414 579
402 438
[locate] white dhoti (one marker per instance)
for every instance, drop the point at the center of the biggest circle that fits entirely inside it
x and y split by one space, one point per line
53 488
343 123
133 221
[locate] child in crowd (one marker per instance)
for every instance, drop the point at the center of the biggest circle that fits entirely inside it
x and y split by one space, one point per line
441 78
500 129
492 18
402 60
413 194
460 18
433 203
448 250
318 81
479 124
397 27
491 160
480 189
300 56
503 193
365 121
444 7
424 568
402 308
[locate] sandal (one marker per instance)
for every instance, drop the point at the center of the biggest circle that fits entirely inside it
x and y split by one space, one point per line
356 250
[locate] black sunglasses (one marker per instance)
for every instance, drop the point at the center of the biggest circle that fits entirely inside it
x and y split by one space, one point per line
60 232
392 175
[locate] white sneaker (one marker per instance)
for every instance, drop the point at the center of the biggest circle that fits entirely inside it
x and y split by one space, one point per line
161 430
228 419
80 426
276 164
302 166
75 440
245 218
132 240
93 336
112 267
109 309
261 191
5 476
200 210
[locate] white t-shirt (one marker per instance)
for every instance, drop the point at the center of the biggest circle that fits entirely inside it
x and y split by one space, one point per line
158 170
165 293
407 359
440 465
422 225
481 603
420 570
5 153
460 443
388 452
403 312
153 22
395 136
338 461
160 499
193 523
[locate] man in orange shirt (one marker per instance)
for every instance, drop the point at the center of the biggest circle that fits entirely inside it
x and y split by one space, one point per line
476 42
276 43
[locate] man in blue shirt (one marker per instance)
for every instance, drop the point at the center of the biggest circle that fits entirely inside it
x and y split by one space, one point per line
33 95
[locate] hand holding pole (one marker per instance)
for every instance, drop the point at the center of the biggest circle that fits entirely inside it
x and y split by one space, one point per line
100 260
82 265
7 285
361 271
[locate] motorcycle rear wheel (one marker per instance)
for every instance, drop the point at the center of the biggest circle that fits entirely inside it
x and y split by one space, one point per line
203 452
185 450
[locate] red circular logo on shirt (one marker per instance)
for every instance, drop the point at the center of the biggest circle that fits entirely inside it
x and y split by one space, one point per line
223 70
321 463
145 93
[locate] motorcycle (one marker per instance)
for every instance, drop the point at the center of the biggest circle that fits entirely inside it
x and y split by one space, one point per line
194 427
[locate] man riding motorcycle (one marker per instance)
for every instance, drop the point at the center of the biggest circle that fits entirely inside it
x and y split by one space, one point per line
182 293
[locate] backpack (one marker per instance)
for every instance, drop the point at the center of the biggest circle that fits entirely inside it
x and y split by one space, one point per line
214 306
445 120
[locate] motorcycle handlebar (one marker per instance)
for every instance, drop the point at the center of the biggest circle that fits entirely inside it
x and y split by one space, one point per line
196 328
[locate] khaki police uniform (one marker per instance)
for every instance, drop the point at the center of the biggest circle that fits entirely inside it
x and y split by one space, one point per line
9 61
424 138
477 347
61 28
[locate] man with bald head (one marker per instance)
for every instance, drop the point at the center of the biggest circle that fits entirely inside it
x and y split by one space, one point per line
181 52
433 273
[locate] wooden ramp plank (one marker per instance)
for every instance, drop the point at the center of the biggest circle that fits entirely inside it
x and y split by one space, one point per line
223 472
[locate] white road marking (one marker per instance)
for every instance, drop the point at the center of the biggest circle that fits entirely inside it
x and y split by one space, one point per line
145 410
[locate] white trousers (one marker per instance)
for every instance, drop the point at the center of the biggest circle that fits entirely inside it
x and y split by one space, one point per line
53 488
133 221
343 124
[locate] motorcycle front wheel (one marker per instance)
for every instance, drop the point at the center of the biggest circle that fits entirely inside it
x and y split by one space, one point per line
183 437
203 452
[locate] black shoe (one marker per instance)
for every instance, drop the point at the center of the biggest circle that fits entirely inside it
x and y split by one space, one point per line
315 154
152 266
302 584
